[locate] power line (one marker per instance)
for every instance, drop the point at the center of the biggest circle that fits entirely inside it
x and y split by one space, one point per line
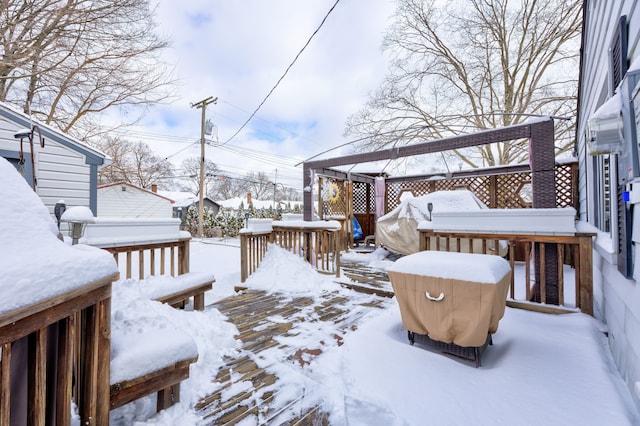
283 75
181 150
348 143
258 131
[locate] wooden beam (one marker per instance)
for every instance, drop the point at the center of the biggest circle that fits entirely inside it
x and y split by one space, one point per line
519 131
130 390
20 322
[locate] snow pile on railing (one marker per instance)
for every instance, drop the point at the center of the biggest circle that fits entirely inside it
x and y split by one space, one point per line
267 225
110 232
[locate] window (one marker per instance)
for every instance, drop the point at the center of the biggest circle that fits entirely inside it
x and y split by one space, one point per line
618 54
602 191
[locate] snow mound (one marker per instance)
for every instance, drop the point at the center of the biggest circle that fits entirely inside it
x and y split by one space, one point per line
283 271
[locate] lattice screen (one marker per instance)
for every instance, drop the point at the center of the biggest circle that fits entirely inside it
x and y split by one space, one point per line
363 202
510 190
333 205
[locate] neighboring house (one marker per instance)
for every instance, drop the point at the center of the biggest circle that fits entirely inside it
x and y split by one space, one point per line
65 168
185 200
125 200
609 179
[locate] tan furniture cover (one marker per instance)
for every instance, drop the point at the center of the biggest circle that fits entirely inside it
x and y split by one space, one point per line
397 231
450 309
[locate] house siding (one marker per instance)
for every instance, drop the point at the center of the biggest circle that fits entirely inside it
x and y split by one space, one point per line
65 169
132 203
616 299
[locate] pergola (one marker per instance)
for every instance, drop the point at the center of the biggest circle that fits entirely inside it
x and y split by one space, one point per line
540 134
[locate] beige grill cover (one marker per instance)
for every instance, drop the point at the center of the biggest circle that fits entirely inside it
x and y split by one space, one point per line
397 231
464 316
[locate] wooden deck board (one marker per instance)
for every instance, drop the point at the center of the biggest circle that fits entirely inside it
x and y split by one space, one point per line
262 318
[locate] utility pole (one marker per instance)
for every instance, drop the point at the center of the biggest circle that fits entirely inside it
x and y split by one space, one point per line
203 105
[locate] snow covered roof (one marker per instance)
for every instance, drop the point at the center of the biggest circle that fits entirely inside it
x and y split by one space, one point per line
180 198
183 198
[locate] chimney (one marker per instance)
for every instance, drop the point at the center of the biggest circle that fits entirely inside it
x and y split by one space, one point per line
154 188
248 198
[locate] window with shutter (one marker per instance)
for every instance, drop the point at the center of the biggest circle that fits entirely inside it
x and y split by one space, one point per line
618 54
617 69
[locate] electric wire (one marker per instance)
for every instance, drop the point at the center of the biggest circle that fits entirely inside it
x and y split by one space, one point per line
283 75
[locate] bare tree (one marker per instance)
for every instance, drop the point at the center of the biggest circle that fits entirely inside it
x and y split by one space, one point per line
132 162
226 187
260 185
466 66
67 61
191 174
288 193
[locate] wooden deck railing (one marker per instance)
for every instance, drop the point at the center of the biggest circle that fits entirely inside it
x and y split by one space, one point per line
542 274
319 246
44 337
169 256
253 247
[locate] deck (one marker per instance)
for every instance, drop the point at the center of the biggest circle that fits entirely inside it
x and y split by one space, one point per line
272 331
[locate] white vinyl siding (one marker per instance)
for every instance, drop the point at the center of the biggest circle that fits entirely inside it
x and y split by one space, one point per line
132 203
616 299
62 174
65 169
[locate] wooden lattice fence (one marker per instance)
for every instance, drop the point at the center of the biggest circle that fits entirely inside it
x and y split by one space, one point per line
506 187
507 190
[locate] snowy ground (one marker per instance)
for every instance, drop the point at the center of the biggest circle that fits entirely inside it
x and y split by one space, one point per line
542 369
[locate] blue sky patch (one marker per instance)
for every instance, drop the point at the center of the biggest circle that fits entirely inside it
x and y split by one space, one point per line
170 120
199 19
280 131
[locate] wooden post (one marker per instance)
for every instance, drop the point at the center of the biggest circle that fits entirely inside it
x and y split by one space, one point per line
103 357
141 264
65 370
89 385
243 257
172 259
152 262
5 384
320 201
336 257
183 256
493 191
36 393
585 274
128 269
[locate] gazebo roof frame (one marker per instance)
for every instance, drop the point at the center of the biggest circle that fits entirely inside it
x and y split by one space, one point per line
540 133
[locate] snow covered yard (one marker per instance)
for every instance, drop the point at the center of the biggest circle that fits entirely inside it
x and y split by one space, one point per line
542 369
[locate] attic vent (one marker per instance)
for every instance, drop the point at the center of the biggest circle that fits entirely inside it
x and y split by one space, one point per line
124 188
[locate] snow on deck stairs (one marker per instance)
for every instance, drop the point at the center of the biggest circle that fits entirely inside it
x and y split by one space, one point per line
248 384
365 279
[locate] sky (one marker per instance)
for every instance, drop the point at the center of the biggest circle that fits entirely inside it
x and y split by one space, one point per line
237 51
541 369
